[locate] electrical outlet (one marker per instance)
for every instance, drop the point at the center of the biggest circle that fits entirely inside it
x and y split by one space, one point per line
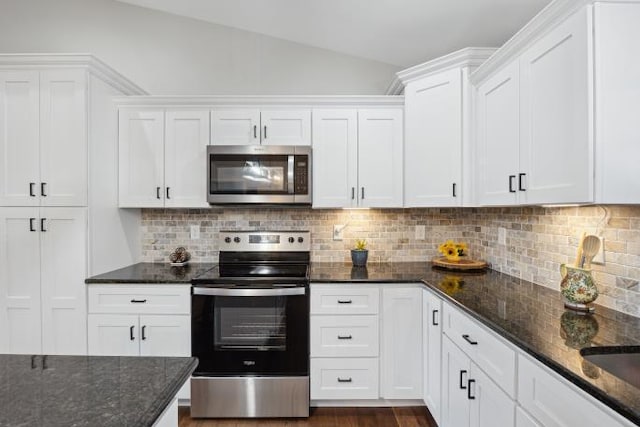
337 232
599 258
195 232
502 236
420 232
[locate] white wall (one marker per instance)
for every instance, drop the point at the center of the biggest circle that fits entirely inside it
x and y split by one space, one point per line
169 55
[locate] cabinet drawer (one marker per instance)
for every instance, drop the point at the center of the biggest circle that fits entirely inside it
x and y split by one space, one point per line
490 353
160 299
555 403
344 299
344 336
344 378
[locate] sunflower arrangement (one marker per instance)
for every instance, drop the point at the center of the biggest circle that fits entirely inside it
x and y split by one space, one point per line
452 251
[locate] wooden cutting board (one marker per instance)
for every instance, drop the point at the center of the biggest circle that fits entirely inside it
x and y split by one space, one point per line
463 264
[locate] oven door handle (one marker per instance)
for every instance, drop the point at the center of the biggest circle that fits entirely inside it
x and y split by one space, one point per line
226 292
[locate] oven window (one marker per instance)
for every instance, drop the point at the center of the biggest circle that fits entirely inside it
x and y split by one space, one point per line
256 324
232 174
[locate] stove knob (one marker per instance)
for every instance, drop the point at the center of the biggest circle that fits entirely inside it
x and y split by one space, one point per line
300 240
291 240
227 239
236 239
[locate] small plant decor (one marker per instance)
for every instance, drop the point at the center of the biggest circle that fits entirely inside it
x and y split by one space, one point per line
360 254
452 251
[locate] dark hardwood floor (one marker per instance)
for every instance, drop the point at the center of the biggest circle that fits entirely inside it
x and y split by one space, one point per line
414 416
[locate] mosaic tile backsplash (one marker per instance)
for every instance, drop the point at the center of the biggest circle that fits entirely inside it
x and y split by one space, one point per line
538 239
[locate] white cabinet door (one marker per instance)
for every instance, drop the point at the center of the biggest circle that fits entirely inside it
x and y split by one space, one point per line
19 281
286 127
63 138
455 371
380 158
525 420
63 241
113 335
165 335
141 164
335 158
19 138
401 355
432 353
235 127
556 111
498 138
490 406
185 157
433 141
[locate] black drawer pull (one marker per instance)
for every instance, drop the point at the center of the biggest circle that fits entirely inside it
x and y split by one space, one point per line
138 301
131 337
462 385
32 226
469 340
469 396
32 189
345 337
344 380
144 337
43 189
454 190
520 186
434 322
345 301
43 221
511 178
157 192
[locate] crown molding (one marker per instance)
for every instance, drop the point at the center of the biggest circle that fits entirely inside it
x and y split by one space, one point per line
467 57
72 60
395 87
549 17
309 101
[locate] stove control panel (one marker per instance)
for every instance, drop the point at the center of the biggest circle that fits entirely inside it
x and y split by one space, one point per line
255 241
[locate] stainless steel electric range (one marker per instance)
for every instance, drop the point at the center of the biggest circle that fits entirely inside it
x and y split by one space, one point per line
250 328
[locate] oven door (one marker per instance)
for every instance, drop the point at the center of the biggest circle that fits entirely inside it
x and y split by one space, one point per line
258 174
250 331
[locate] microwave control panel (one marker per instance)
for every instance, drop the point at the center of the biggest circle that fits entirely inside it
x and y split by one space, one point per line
301 174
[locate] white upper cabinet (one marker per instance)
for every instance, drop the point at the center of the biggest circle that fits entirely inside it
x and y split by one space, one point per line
335 158
380 138
433 140
253 126
43 138
498 137
357 158
556 145
163 158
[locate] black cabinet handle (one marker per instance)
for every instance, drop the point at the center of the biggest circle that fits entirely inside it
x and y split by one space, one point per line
32 225
265 131
131 337
138 301
168 192
511 178
255 131
469 340
144 337
362 193
42 222
344 301
32 189
344 337
157 192
353 193
469 396
454 190
520 176
434 322
43 189
344 380
462 385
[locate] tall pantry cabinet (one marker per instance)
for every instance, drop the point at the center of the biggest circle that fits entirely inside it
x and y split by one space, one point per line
58 179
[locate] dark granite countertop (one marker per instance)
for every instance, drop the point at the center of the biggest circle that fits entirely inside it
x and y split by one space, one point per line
152 273
530 316
96 391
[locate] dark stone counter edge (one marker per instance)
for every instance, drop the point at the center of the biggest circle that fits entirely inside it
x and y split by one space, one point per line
94 281
594 391
154 412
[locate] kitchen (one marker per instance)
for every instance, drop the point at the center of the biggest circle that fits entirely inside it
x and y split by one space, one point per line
526 242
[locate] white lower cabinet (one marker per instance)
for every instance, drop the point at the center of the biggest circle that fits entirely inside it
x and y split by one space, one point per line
432 353
344 378
525 420
140 320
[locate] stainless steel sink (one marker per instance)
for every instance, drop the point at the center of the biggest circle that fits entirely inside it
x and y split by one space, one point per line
621 361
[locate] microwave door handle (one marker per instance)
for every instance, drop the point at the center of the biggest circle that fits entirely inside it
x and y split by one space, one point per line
226 292
290 164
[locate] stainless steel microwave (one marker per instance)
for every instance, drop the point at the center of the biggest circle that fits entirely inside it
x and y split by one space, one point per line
259 174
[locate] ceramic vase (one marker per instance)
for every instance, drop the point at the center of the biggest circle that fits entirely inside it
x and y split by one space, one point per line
578 288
